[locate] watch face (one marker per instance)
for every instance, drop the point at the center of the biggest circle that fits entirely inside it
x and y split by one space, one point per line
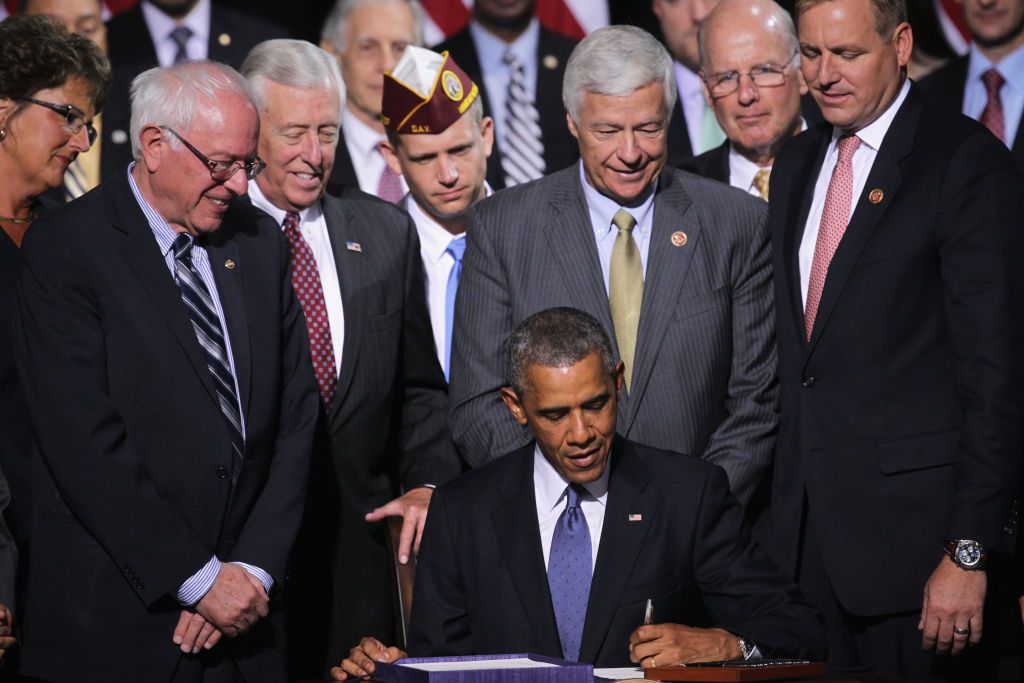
968 553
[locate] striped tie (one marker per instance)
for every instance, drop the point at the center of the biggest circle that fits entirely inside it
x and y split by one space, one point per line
75 184
180 37
206 323
522 156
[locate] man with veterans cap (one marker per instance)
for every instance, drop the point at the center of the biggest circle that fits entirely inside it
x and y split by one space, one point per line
439 140
383 440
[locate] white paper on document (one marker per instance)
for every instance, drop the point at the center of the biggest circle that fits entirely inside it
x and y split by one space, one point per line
476 665
619 674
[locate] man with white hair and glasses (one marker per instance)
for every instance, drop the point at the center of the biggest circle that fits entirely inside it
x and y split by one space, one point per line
162 356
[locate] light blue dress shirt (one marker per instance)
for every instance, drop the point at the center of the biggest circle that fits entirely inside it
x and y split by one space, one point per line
1011 67
496 73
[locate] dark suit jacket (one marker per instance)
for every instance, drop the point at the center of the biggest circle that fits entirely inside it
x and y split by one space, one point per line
131 52
560 148
901 418
387 429
946 88
481 584
131 486
704 380
344 172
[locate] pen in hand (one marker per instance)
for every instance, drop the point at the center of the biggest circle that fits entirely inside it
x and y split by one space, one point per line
649 613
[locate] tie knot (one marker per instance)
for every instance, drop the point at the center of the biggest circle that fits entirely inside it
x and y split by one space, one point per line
993 81
457 247
573 494
511 60
291 221
848 144
760 183
182 246
623 220
181 35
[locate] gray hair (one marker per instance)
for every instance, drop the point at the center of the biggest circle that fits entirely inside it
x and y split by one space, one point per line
292 63
555 338
173 96
776 20
617 60
335 30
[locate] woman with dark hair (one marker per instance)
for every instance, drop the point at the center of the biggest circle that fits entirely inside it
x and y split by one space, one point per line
52 84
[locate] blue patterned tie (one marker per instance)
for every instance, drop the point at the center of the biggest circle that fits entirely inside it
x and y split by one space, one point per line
569 572
457 247
180 37
206 323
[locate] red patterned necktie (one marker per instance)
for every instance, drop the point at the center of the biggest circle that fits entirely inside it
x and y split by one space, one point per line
835 216
306 283
992 116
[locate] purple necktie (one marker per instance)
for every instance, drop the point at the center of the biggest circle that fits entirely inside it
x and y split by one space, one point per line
570 572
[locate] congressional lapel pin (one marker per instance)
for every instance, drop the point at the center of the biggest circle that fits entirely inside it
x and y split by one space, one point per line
118 136
550 62
224 39
354 246
229 264
678 238
876 196
635 517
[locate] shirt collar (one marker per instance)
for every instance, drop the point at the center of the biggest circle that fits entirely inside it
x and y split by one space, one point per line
605 208
549 484
359 135
260 201
434 238
873 133
491 49
1011 67
162 231
743 169
160 25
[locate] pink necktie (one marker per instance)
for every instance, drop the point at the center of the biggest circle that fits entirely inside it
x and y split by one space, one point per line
992 115
834 219
389 187
306 283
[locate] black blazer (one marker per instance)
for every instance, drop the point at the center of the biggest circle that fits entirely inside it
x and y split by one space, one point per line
553 50
131 52
946 88
131 491
387 429
481 583
901 418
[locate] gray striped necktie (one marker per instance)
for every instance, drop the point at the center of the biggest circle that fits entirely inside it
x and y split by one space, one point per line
522 155
74 181
206 323
180 37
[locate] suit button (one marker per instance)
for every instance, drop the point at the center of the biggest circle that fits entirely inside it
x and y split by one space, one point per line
808 381
222 472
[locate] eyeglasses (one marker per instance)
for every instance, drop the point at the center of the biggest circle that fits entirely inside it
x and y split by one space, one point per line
74 119
766 76
222 171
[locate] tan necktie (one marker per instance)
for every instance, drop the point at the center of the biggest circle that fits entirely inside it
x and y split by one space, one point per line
761 182
626 289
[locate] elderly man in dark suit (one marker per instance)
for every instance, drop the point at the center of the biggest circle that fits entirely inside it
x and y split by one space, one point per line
383 440
161 353
674 266
558 547
896 235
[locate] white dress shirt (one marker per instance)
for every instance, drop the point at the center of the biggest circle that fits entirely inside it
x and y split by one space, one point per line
491 50
695 108
742 170
160 26
863 159
549 490
602 209
437 266
361 142
1011 68
313 227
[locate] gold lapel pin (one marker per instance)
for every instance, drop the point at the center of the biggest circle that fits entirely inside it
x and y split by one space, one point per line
679 238
550 62
229 264
224 39
876 196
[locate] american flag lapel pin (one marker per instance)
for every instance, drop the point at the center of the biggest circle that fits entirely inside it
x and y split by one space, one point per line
354 246
636 517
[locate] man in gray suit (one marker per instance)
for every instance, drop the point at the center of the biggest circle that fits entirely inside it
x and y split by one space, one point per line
674 266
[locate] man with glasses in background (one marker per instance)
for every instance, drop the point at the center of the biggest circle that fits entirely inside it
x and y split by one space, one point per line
751 74
162 355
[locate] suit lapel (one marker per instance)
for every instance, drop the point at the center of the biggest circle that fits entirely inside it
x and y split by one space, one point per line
143 256
229 287
517 534
886 176
622 541
667 268
341 228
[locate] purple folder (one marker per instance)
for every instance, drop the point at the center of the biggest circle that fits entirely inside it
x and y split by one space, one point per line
563 671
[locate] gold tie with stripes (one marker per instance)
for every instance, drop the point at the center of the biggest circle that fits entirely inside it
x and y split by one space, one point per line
626 290
761 182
